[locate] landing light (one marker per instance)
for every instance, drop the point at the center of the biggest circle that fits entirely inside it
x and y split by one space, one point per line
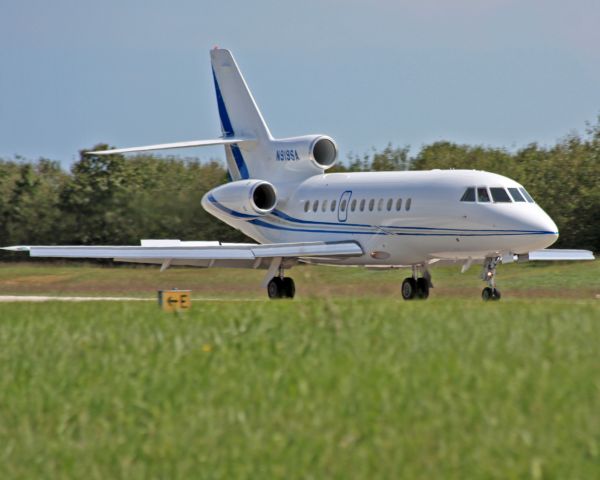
379 255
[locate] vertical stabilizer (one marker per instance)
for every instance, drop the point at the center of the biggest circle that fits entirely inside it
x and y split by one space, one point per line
238 112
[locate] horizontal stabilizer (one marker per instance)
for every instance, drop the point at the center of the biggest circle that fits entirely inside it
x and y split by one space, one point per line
556 254
167 146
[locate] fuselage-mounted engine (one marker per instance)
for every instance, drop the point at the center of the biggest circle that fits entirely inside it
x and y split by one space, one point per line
243 198
323 152
306 155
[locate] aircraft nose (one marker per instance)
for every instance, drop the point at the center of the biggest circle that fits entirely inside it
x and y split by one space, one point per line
552 237
546 227
551 227
538 221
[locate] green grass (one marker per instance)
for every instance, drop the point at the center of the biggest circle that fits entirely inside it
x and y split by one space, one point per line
357 384
311 389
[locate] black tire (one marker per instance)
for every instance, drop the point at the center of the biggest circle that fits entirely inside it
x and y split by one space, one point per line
422 288
289 288
275 288
409 288
487 294
496 294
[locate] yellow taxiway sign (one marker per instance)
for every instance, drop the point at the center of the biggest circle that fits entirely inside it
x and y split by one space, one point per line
174 300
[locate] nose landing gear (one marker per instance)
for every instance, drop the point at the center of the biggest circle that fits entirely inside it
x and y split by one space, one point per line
488 274
415 286
489 293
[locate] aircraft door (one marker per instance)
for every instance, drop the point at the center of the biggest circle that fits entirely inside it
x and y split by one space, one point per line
344 205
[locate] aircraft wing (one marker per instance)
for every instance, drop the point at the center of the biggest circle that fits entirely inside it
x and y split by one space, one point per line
556 254
166 146
199 254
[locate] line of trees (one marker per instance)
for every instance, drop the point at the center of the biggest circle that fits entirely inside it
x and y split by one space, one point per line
118 200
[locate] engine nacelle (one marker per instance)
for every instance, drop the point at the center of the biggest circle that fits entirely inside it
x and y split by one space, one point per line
246 197
317 152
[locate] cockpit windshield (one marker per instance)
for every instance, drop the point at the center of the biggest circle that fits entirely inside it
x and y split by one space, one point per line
496 194
469 195
499 195
516 195
526 195
482 195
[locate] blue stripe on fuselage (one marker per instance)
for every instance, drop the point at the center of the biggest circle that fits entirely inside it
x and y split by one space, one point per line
263 223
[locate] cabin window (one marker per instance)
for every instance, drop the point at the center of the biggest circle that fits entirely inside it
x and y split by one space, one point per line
315 205
332 208
343 205
353 205
526 195
499 195
380 205
307 206
407 205
483 195
362 205
516 195
371 204
324 206
469 195
398 204
389 204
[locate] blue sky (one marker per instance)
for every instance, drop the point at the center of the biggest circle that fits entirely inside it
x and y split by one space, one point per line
131 72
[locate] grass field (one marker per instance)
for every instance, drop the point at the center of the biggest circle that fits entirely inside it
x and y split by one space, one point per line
354 383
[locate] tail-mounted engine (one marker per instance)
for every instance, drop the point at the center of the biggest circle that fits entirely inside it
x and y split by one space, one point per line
241 198
310 153
323 151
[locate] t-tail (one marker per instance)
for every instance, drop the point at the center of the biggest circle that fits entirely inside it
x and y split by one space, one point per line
250 149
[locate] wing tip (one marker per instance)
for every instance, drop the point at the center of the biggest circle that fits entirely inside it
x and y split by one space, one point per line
17 248
557 254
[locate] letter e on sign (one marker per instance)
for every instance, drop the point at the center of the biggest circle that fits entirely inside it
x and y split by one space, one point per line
174 300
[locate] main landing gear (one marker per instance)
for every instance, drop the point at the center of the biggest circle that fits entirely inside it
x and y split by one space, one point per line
281 287
278 285
415 286
488 275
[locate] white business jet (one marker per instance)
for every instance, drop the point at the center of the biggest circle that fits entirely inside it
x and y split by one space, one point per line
281 196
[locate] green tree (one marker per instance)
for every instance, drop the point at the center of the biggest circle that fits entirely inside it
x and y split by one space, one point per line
111 199
29 206
92 201
389 159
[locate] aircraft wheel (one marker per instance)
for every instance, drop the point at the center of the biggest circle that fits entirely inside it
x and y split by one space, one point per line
289 288
275 288
409 288
489 293
422 288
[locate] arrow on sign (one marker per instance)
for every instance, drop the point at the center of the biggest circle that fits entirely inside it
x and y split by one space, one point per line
172 300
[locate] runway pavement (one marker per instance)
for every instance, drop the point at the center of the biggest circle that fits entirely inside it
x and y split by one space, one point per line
48 298
51 298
